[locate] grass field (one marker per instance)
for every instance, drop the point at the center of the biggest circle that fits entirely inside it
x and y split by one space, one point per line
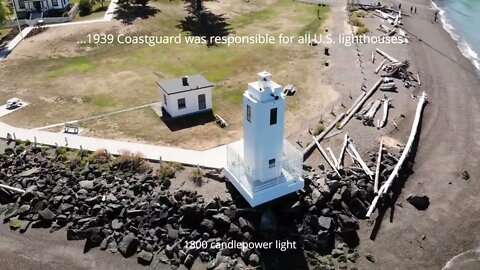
98 78
98 11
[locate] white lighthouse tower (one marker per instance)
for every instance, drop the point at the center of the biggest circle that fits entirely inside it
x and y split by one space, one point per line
263 166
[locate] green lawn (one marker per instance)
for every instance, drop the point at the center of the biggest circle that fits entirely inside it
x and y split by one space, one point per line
4 32
110 77
97 11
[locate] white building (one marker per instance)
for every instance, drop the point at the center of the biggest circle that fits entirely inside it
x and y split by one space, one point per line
40 5
186 95
263 166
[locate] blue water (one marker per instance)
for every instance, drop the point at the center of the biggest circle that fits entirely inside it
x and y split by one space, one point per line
461 18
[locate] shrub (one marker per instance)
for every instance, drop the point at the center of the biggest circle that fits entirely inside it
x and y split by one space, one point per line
135 162
465 175
361 30
101 155
196 175
318 129
166 170
355 21
85 7
62 150
360 13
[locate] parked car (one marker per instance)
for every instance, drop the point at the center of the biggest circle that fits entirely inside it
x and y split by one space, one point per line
13 103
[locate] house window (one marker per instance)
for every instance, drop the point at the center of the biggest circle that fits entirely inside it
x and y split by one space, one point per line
249 113
181 103
54 2
21 4
273 116
202 105
271 163
165 99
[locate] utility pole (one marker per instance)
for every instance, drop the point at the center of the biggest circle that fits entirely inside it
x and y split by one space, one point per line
18 22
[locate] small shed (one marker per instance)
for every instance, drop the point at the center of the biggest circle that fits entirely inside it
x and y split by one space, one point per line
186 95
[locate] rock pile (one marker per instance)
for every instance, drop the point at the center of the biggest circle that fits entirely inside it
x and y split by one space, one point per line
123 210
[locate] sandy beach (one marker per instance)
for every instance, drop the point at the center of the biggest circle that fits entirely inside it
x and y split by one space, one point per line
448 145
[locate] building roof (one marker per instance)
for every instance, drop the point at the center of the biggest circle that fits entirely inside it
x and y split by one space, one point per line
175 86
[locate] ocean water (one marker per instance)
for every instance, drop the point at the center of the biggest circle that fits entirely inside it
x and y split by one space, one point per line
461 18
468 260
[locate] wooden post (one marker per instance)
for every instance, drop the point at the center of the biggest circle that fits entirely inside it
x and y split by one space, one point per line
377 170
406 151
342 152
418 79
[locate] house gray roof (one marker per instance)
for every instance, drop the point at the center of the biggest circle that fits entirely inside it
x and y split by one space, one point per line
175 86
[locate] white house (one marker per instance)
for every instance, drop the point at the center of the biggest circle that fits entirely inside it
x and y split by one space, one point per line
40 5
186 95
263 166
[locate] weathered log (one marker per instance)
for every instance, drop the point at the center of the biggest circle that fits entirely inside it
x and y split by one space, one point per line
335 162
360 103
377 170
366 108
384 54
372 111
12 188
310 146
364 166
325 156
405 153
386 105
380 66
342 152
355 103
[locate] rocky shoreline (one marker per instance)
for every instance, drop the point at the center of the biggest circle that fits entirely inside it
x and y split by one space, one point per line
120 204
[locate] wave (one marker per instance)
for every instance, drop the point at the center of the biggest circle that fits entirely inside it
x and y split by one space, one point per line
468 260
462 44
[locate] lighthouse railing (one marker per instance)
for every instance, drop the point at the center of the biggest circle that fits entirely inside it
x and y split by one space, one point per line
290 165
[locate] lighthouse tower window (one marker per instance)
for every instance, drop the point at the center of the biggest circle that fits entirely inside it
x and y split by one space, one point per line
273 116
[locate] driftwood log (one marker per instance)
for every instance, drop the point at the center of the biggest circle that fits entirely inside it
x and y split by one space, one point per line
405 153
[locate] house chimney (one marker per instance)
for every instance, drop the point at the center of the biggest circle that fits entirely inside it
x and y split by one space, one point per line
185 80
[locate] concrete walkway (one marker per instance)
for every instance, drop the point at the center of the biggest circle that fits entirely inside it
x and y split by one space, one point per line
212 158
14 42
106 18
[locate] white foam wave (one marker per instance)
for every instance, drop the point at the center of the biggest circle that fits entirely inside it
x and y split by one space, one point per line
462 44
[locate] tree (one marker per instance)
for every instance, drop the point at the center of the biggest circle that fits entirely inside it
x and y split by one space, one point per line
102 2
200 21
4 12
85 7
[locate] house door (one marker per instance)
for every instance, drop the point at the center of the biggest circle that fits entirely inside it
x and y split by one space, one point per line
37 5
202 105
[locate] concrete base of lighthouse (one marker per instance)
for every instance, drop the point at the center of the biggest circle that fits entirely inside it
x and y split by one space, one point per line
255 194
